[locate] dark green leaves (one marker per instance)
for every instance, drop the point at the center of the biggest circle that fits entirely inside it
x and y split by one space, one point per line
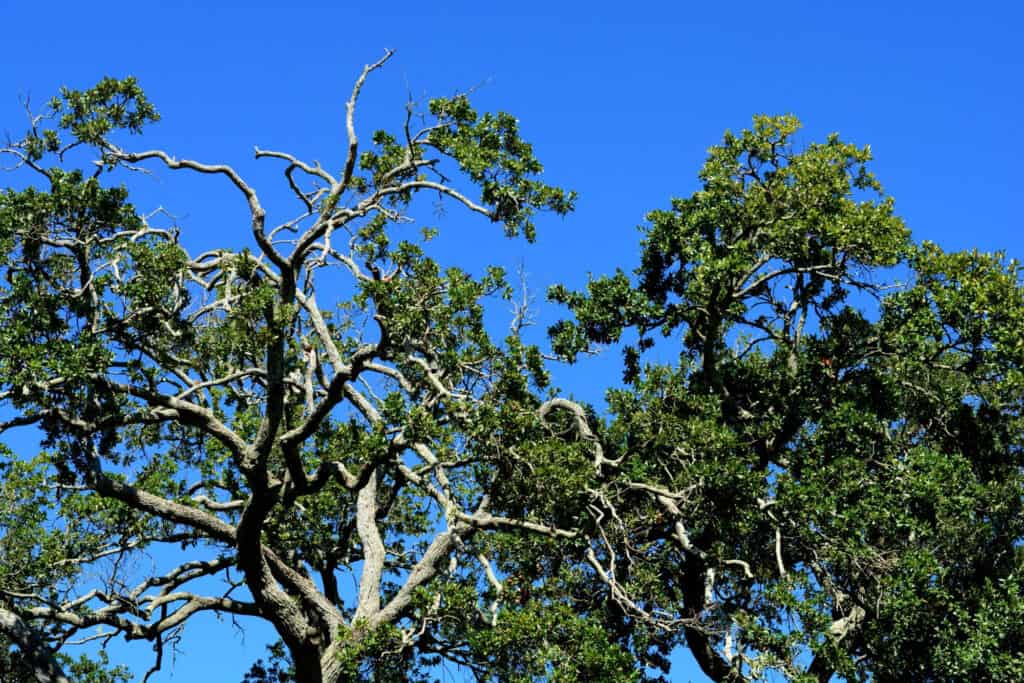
490 151
850 472
111 104
769 218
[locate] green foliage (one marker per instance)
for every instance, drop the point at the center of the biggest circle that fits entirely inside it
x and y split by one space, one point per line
853 476
89 116
85 670
225 408
490 151
826 482
550 643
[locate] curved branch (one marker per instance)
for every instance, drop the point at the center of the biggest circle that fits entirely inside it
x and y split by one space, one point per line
255 209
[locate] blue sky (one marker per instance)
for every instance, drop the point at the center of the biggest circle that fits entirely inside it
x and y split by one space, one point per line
620 100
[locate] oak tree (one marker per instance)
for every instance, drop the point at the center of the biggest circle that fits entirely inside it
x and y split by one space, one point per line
827 480
273 423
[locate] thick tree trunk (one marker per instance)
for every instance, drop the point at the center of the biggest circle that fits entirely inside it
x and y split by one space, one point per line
330 667
307 667
32 645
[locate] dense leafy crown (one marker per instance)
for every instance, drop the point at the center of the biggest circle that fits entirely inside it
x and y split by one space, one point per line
826 482
328 406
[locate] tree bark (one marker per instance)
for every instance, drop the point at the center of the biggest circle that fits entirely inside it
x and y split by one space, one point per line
42 659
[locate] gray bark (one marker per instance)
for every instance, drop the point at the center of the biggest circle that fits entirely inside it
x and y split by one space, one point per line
40 656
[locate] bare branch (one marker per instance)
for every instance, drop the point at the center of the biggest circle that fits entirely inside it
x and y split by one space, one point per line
257 211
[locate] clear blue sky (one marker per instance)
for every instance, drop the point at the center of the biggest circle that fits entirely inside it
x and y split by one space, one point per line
621 100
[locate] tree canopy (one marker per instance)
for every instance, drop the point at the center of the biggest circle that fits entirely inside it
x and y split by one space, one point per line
825 483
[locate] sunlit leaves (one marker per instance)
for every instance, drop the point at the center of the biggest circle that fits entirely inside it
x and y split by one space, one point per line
490 151
863 460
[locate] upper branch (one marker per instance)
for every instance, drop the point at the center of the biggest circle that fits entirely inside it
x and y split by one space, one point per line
255 209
